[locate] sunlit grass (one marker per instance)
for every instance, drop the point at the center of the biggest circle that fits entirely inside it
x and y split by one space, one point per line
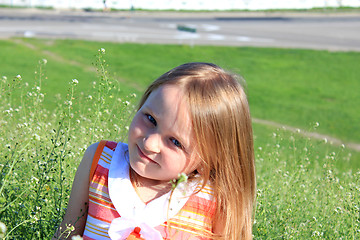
289 86
41 148
306 188
302 194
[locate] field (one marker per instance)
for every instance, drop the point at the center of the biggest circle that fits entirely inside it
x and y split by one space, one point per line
58 96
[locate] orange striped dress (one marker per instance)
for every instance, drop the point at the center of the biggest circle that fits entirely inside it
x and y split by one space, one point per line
115 209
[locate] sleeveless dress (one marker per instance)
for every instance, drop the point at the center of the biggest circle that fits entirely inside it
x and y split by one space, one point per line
115 209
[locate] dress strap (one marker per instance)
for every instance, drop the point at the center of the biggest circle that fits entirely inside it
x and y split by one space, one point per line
96 158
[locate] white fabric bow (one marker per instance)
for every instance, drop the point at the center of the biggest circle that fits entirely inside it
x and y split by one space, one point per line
134 212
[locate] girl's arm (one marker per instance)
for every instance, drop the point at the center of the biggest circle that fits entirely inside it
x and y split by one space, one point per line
76 212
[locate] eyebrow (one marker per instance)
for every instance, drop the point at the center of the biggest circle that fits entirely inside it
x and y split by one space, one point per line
148 109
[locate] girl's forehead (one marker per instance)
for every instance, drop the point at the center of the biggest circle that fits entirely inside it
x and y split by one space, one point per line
170 109
167 96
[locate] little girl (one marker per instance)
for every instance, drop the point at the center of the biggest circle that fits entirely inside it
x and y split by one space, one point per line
192 121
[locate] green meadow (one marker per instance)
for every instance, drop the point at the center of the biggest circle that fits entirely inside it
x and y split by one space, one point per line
59 96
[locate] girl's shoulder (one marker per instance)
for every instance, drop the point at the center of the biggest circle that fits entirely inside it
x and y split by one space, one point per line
106 146
104 152
205 191
112 145
204 199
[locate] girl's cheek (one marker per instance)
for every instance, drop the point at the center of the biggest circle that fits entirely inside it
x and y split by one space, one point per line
137 127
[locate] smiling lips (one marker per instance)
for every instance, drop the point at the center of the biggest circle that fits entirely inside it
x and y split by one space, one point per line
143 156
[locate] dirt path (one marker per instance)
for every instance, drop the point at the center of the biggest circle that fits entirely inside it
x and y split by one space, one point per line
58 58
329 139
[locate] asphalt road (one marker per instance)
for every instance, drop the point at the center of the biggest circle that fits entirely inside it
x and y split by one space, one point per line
329 31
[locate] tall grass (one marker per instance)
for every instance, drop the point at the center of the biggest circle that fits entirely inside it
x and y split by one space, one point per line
301 192
40 148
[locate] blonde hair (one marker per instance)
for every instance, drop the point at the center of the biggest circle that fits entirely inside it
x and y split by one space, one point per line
224 141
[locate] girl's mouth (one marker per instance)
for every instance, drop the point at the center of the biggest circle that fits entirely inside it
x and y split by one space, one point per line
143 155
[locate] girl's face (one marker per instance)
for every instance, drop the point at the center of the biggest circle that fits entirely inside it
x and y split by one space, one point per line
160 136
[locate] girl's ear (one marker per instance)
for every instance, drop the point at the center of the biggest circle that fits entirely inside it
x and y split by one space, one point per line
199 169
200 162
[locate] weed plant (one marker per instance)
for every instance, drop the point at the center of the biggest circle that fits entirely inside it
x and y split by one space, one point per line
41 149
301 193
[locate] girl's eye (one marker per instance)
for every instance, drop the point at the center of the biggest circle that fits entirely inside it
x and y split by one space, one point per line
176 143
151 119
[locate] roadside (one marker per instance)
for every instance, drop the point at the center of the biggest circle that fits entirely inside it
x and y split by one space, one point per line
4 11
332 31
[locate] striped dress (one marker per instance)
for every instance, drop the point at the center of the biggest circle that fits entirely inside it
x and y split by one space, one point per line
116 210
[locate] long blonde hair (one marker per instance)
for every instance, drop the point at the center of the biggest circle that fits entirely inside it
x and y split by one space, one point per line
224 141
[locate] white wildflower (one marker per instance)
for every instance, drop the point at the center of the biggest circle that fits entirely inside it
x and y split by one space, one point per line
69 102
325 140
36 137
44 61
75 81
182 177
77 237
102 50
18 76
36 180
2 229
4 78
315 233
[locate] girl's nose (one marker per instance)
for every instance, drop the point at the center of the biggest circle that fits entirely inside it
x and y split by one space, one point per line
152 143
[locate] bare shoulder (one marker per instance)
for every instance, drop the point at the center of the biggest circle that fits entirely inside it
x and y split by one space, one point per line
91 149
88 157
76 212
83 170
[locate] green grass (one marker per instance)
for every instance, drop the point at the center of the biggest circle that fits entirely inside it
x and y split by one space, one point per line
289 86
302 194
306 188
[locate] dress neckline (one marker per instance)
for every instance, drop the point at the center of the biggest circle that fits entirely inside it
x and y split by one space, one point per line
127 202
